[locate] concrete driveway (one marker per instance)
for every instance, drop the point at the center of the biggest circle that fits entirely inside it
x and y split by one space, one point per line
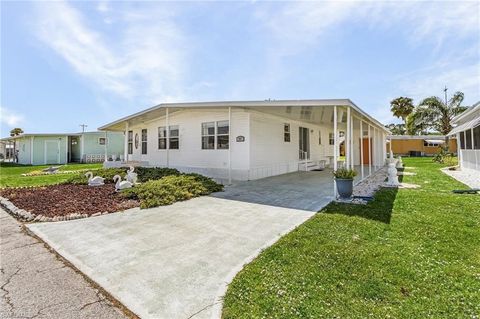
172 261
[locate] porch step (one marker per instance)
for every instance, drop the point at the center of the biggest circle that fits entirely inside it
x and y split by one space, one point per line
311 165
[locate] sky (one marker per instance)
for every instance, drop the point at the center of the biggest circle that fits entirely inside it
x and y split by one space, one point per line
69 63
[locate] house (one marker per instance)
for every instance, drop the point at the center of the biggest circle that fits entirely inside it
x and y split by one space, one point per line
420 145
467 132
62 148
248 140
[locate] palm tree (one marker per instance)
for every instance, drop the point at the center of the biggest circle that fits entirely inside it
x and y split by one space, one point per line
16 131
437 114
401 107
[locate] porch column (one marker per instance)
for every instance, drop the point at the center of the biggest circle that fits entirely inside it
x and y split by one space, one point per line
31 150
125 142
82 147
106 153
375 148
335 148
361 148
167 128
459 150
229 145
369 152
352 162
347 140
384 148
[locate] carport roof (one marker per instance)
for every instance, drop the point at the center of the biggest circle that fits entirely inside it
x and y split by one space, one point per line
116 125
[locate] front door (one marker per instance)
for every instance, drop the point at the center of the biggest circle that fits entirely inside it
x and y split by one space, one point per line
366 156
51 152
304 143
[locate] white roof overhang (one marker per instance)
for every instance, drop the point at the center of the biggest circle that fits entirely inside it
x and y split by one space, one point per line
465 126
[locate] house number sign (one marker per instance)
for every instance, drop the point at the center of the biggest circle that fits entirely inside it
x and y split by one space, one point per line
240 138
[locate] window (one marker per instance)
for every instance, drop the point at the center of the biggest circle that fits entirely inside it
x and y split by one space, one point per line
162 138
174 142
144 141
130 142
222 135
215 134
319 138
425 143
286 132
102 140
208 136
331 139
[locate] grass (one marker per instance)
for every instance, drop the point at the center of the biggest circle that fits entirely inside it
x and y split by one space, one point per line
411 253
11 174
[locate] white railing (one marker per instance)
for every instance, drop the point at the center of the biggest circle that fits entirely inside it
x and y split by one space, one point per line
470 159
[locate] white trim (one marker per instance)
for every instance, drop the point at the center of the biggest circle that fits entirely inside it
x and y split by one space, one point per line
167 135
369 152
347 139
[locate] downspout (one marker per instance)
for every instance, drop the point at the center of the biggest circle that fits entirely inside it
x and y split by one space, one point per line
167 128
229 145
335 149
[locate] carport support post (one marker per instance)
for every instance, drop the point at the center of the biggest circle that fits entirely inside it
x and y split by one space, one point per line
125 151
167 128
229 145
369 152
361 148
335 148
347 140
459 150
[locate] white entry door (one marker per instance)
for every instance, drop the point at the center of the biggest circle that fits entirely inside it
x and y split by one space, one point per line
52 152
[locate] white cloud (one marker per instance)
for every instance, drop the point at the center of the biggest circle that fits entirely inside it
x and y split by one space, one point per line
10 118
146 60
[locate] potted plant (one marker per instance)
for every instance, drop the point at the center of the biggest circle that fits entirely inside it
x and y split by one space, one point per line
344 180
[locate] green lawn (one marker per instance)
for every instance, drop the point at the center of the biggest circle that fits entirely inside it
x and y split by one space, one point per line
11 174
411 253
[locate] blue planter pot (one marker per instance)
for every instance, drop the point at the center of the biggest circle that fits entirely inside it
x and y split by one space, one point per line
344 188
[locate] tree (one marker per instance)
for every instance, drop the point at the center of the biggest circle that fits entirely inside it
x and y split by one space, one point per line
396 129
401 107
16 131
437 114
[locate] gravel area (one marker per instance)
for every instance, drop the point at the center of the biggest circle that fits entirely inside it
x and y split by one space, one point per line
371 184
468 177
63 200
37 284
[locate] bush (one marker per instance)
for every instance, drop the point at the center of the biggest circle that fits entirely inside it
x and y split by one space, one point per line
171 189
444 157
106 173
343 173
153 173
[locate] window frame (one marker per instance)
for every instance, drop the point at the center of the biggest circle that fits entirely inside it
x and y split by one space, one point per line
175 137
331 138
144 140
205 126
129 142
105 141
287 137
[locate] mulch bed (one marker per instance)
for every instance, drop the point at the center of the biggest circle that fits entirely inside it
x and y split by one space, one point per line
62 200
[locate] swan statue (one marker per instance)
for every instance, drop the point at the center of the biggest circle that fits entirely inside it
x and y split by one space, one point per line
94 181
131 176
119 184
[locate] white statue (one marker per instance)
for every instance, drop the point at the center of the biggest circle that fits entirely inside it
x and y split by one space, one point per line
392 175
131 176
119 184
94 181
399 162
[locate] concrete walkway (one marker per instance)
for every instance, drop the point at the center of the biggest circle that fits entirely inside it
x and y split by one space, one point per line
171 261
35 284
309 191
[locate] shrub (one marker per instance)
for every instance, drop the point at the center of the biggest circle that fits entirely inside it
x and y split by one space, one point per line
344 173
444 157
106 173
207 182
153 173
171 189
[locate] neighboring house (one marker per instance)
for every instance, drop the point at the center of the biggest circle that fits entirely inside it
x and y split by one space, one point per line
420 145
248 140
56 148
467 131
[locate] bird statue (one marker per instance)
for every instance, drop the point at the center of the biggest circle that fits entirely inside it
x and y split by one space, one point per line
131 176
119 184
94 181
